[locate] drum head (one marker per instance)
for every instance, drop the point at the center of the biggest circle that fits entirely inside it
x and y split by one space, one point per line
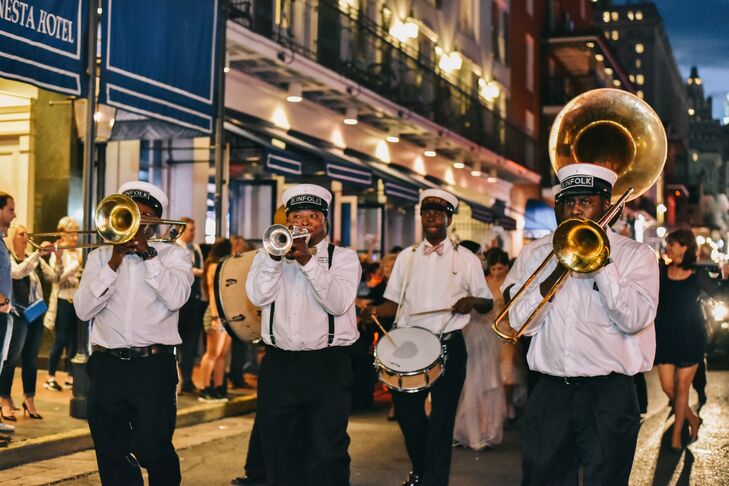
416 349
240 317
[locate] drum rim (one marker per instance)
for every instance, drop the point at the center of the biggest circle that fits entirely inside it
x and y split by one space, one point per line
419 389
441 355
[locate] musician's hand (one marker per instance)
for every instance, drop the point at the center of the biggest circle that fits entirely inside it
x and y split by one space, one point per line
299 251
464 305
365 315
118 254
46 248
139 244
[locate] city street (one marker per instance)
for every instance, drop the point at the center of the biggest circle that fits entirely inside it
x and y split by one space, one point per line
213 453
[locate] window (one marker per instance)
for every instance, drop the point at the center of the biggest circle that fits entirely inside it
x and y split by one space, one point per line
638 15
469 14
632 78
530 7
640 94
530 67
638 63
640 79
630 15
639 48
615 16
615 35
606 17
529 119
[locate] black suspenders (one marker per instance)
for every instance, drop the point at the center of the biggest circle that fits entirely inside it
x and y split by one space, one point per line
330 339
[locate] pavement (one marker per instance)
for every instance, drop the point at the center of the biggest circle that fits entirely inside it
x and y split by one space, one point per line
60 434
211 453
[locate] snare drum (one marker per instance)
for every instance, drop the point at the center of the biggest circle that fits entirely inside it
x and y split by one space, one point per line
414 364
240 317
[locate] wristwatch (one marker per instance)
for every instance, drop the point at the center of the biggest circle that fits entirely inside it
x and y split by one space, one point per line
150 253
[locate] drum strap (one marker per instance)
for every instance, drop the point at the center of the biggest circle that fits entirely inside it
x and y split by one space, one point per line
330 339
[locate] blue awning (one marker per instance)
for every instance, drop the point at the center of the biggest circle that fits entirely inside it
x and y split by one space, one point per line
282 164
403 191
481 213
276 161
349 173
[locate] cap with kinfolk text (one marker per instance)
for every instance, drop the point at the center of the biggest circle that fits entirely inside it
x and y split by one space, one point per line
307 196
585 179
146 193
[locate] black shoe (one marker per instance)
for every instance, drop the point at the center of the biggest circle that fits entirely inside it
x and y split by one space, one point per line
189 388
208 395
246 481
413 480
220 393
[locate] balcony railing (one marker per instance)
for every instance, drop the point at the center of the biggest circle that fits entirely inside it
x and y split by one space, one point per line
355 46
558 90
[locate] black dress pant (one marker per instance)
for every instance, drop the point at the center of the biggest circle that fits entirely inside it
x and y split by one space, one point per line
132 409
305 393
593 424
190 327
429 439
642 392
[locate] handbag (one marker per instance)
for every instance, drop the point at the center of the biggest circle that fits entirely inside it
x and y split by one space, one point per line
33 311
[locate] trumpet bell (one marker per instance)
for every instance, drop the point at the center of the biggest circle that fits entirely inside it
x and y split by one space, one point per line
614 129
277 240
581 245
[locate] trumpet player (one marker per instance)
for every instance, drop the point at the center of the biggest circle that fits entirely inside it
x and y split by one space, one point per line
588 341
133 292
308 325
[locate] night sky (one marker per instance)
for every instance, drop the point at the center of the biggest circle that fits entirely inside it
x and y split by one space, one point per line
698 31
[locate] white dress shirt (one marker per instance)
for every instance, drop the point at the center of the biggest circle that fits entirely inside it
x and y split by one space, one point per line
304 296
435 282
138 304
597 323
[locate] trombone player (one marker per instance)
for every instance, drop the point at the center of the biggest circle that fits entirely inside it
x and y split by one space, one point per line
133 292
587 342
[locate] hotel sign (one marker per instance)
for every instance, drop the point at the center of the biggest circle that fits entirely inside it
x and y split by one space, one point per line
159 59
43 42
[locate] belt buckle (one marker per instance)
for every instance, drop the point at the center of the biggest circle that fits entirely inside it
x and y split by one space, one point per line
125 354
567 381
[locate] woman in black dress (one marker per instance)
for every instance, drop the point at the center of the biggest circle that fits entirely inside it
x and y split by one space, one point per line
680 330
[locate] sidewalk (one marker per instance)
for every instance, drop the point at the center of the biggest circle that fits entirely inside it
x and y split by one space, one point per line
59 433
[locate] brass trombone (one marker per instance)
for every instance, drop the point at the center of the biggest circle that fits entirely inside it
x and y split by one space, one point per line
117 220
607 127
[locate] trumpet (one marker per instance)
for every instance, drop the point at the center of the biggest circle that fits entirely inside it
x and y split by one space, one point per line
278 239
117 220
607 127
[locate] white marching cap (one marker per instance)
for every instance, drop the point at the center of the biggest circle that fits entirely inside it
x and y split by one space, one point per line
440 193
146 193
307 196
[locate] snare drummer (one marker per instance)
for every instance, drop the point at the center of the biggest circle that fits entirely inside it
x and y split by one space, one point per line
308 325
434 274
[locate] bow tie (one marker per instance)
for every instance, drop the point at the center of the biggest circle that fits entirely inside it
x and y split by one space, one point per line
427 250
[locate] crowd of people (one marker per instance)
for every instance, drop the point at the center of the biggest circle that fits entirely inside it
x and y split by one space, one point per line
573 384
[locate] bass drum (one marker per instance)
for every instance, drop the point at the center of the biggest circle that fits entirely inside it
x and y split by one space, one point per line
240 317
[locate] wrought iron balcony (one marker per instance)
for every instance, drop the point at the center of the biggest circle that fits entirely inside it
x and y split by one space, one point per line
353 45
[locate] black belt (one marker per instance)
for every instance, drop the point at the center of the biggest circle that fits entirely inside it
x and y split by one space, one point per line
136 352
582 380
450 335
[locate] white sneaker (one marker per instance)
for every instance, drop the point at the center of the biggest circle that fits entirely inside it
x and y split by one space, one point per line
6 428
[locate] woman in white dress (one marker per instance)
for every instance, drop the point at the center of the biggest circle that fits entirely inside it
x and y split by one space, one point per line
512 362
481 410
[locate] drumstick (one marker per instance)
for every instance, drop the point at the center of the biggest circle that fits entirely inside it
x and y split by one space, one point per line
387 335
434 311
